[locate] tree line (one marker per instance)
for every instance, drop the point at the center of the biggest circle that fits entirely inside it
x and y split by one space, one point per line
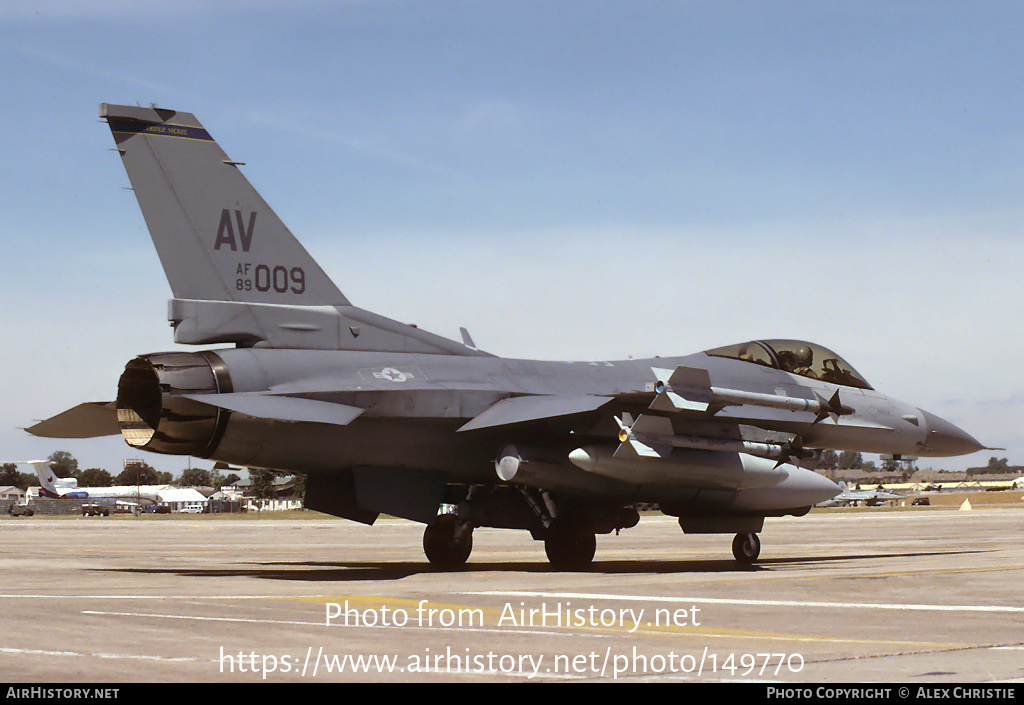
65 465
852 460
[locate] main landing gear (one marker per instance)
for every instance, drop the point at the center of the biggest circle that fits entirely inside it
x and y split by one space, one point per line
569 545
746 548
448 541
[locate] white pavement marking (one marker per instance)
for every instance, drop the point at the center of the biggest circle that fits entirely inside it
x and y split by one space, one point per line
760 603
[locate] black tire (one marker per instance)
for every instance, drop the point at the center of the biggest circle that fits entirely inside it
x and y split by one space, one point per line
447 542
569 546
746 548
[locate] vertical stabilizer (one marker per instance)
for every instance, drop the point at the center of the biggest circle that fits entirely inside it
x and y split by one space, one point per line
47 480
217 238
238 274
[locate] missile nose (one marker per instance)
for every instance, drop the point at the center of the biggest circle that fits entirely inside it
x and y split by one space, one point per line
945 439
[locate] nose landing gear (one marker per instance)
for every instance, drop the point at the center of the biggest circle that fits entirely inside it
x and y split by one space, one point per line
746 548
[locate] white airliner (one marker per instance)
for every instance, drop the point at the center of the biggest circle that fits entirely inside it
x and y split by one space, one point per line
67 488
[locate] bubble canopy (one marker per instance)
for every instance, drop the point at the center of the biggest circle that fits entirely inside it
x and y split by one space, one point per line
797 357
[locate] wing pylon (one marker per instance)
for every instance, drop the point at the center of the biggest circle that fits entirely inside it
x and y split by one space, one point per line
690 389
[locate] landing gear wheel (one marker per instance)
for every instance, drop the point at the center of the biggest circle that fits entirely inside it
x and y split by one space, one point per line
569 546
447 542
746 548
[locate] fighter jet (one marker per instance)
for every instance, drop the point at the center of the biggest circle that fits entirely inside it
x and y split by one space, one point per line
870 498
384 417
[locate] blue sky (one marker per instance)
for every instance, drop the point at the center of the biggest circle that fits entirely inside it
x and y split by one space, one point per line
568 180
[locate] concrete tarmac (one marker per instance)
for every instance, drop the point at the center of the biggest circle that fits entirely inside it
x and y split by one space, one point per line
920 596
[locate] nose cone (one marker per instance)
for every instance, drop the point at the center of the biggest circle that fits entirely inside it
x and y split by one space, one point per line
945 439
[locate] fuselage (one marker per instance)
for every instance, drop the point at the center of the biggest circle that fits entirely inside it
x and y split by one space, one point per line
140 494
413 406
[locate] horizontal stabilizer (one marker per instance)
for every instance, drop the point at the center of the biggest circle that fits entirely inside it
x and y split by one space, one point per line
90 420
534 408
266 406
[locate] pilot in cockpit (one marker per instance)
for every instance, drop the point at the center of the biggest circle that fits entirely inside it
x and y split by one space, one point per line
798 361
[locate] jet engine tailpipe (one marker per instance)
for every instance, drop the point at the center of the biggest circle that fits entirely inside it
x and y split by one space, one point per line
151 414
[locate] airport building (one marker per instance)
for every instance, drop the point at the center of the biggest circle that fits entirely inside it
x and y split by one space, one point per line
10 493
176 499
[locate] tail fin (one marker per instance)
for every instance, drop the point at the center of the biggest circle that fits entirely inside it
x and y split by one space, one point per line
237 273
218 240
47 480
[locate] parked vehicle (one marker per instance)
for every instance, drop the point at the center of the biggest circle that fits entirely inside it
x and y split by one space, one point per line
95 510
20 510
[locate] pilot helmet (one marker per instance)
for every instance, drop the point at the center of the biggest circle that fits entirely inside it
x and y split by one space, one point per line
803 355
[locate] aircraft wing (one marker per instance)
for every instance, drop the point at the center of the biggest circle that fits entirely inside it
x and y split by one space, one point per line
89 420
534 408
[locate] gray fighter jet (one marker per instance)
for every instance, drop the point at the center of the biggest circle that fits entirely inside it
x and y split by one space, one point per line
383 417
870 498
